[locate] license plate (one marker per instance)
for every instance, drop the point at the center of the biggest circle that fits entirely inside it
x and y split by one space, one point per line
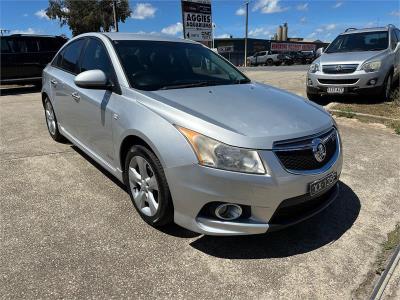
323 184
335 90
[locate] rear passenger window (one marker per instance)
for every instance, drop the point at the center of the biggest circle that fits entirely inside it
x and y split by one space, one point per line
71 55
96 58
393 40
5 47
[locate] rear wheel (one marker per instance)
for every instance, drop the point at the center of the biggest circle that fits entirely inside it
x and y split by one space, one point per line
270 62
51 121
147 186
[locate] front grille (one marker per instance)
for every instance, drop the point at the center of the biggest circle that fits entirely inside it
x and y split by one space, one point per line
298 155
299 207
339 69
338 81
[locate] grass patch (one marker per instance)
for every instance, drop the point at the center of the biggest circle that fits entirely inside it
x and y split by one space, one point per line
386 251
347 112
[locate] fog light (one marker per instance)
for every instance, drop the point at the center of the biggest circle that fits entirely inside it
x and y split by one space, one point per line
372 81
228 212
309 81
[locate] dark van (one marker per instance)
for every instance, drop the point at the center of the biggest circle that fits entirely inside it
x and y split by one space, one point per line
23 57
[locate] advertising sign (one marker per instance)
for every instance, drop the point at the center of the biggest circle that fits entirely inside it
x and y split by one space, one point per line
288 47
225 49
197 21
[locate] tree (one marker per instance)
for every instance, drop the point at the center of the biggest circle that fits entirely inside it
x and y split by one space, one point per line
87 16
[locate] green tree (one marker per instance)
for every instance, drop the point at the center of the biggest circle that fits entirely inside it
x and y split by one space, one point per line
87 16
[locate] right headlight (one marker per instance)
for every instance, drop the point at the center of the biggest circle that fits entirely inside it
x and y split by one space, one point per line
212 153
371 66
314 67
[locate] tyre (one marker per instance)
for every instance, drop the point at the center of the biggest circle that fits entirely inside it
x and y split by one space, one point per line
51 121
387 88
147 186
270 62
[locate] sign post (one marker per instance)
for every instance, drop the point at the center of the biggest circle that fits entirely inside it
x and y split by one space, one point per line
197 21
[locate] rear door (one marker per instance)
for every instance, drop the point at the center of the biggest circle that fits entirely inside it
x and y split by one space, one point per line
64 90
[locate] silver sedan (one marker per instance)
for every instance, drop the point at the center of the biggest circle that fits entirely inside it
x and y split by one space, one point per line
193 139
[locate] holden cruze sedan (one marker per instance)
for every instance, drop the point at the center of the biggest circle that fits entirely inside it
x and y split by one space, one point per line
193 139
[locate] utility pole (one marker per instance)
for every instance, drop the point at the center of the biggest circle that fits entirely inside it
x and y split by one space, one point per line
245 38
114 4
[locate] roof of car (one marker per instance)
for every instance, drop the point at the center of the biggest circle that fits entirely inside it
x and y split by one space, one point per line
353 30
143 37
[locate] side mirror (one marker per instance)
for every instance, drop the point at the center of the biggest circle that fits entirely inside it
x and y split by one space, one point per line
93 79
319 52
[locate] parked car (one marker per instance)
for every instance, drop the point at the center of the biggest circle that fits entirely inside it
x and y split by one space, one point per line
23 57
264 58
357 62
193 139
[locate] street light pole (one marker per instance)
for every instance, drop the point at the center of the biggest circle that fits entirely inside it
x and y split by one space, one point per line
245 38
114 3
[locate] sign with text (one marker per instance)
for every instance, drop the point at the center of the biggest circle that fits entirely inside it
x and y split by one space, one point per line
291 47
225 49
197 21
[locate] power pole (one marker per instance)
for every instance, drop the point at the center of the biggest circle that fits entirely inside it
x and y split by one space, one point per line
114 3
245 38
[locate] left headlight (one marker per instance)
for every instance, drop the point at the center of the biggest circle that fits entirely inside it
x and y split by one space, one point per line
212 153
314 68
371 66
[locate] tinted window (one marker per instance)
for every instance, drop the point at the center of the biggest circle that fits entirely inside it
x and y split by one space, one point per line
24 45
5 47
50 44
96 58
71 55
152 65
397 34
365 41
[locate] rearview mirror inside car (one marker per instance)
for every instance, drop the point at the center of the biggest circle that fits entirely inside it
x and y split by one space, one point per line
92 79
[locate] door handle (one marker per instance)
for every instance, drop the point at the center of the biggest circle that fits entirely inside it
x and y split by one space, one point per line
53 82
75 96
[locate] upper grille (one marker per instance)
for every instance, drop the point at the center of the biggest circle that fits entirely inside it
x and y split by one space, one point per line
298 155
339 69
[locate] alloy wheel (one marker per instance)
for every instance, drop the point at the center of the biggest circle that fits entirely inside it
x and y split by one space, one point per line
50 119
144 186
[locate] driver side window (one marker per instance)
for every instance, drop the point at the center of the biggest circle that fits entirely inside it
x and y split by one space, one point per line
96 58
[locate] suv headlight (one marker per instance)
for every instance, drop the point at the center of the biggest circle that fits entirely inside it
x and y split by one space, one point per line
371 66
212 153
314 68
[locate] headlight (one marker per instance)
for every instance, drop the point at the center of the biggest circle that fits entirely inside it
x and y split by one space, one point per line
212 153
371 66
314 68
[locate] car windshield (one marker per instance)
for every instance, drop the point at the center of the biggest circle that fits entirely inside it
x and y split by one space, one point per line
155 65
365 41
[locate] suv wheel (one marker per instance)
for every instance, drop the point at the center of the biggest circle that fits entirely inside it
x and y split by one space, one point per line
147 186
387 88
270 62
51 121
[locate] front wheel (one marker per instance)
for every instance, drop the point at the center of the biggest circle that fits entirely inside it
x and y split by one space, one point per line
270 62
147 186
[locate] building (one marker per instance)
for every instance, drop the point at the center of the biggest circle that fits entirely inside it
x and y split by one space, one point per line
233 48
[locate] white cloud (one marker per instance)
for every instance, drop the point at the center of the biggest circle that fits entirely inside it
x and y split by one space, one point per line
147 33
330 27
41 14
325 28
173 29
240 12
25 15
338 4
223 36
269 6
27 31
143 11
302 7
395 13
260 31
303 20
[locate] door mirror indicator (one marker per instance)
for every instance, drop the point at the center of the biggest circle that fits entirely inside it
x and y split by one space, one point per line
93 79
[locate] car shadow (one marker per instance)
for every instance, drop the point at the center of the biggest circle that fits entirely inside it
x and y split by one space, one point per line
18 90
322 229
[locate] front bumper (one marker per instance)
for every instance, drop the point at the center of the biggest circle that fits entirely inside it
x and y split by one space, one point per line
194 186
360 83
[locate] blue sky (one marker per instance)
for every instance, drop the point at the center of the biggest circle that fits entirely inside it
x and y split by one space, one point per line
322 19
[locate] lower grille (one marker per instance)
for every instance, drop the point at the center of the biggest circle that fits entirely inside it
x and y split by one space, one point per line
300 156
338 81
299 207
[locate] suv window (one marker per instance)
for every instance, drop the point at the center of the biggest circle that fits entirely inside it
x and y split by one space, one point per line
24 45
50 44
397 34
96 58
364 41
71 55
5 47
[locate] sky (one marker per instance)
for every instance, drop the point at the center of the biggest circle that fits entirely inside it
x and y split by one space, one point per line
312 19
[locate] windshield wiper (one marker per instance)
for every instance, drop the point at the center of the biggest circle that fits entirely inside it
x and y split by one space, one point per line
241 81
191 84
